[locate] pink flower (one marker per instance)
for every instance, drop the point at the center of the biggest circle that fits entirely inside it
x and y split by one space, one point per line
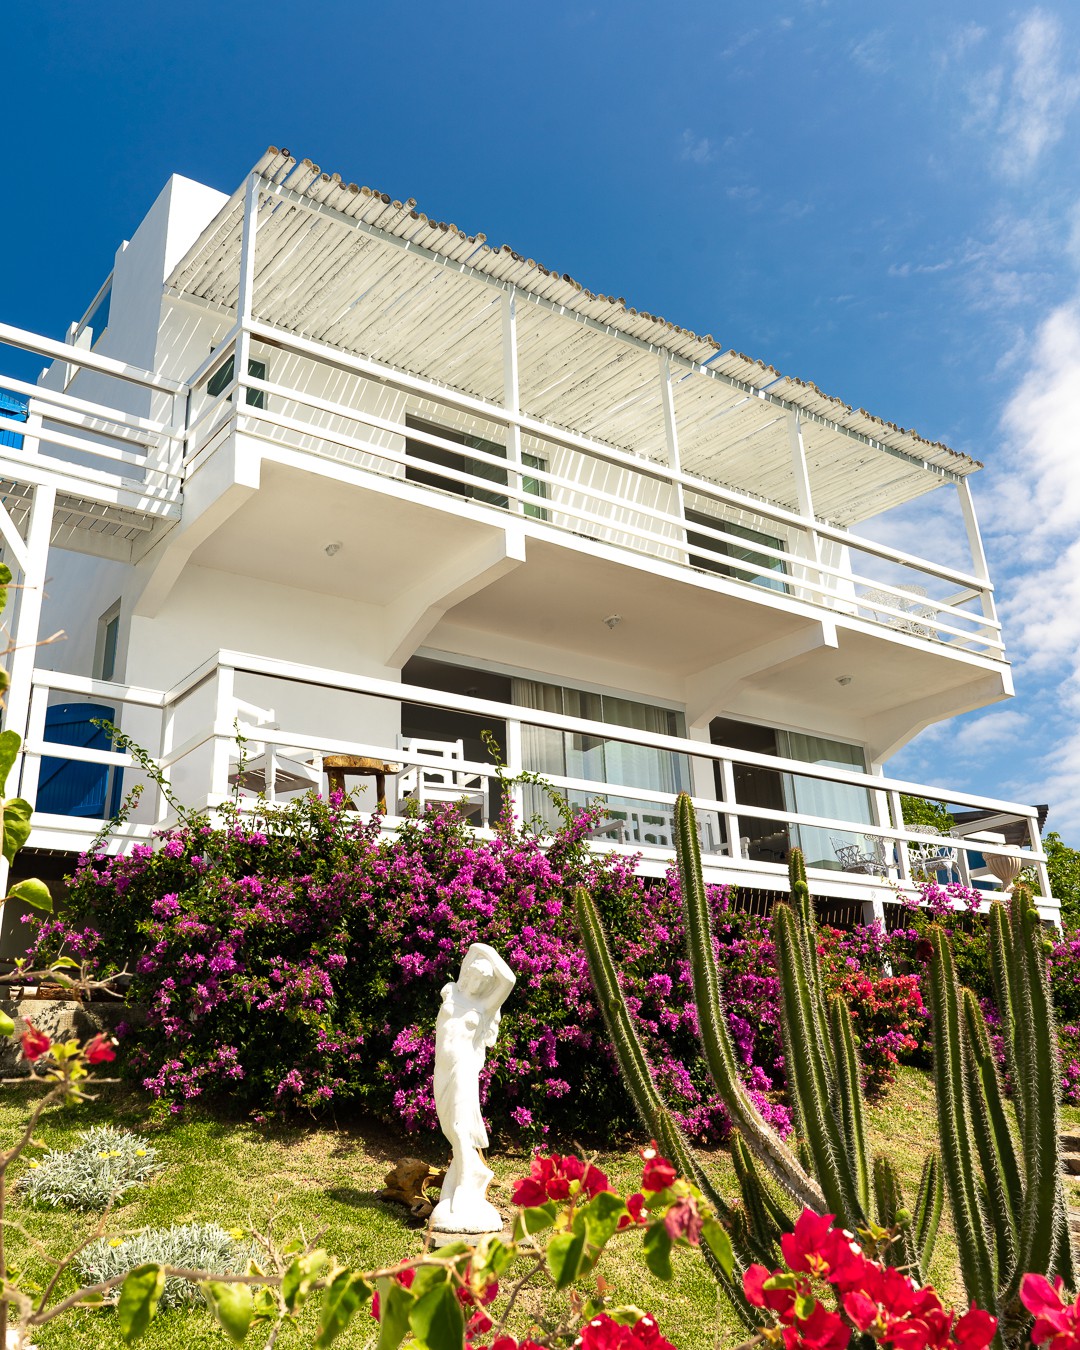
555 1178
683 1220
658 1174
1055 1322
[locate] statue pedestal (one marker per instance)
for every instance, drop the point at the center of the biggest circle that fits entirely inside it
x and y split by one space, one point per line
471 1216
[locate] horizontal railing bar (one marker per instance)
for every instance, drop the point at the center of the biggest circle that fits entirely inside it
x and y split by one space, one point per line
118 483
62 682
53 398
553 505
533 426
345 681
85 358
82 753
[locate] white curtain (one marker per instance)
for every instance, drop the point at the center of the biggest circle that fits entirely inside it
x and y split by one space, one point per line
819 797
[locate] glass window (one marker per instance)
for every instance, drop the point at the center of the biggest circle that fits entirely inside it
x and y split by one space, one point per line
110 633
465 463
222 377
709 563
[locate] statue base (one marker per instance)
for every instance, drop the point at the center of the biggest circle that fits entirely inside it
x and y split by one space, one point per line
474 1217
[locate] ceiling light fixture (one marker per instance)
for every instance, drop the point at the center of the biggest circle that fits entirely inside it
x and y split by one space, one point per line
843 679
612 619
331 549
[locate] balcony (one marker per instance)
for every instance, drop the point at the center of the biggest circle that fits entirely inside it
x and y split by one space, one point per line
242 722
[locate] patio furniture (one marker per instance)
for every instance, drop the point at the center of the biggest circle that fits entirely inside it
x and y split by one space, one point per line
923 617
339 767
868 857
425 783
263 767
935 856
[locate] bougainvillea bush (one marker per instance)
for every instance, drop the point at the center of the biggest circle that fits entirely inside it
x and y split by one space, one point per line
296 961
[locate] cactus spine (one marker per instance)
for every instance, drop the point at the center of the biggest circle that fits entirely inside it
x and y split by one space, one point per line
1021 1226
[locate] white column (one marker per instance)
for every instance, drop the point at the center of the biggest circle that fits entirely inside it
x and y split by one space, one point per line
978 554
671 435
514 753
808 542
246 289
26 633
224 732
731 818
512 394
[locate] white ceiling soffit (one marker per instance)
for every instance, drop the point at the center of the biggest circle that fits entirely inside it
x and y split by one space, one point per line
330 267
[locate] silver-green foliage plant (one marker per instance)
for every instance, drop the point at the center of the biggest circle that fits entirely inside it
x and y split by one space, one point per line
100 1170
194 1246
1004 1187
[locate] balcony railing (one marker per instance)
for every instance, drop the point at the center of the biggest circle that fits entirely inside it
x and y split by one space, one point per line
314 400
191 732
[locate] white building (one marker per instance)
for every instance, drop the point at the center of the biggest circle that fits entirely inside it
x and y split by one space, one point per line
318 463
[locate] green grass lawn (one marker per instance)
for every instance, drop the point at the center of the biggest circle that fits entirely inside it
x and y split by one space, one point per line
326 1177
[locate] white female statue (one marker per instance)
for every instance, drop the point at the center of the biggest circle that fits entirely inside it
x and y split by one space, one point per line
466 1028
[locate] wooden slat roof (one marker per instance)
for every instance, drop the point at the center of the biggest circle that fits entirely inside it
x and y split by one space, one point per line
351 267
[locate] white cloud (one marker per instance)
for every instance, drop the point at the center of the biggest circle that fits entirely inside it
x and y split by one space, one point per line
871 53
696 149
982 737
1024 99
1041 94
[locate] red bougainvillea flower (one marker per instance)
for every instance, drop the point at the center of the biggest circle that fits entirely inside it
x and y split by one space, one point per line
777 1300
975 1330
1056 1323
683 1220
508 1343
99 1050
659 1173
636 1205
34 1043
822 1330
816 1248
604 1333
404 1278
557 1178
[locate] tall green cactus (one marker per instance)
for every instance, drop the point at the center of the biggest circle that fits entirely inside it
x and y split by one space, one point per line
1006 1197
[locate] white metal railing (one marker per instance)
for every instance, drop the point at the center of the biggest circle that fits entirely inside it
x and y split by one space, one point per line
79 429
583 487
191 733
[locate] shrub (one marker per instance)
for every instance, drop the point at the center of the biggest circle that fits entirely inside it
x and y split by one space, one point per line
186 1246
295 961
104 1167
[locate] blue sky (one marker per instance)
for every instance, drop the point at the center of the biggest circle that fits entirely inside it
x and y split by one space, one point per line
884 200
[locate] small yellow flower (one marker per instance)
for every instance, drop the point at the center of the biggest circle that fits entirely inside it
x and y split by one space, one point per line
34 1164
103 1155
237 1233
140 1153
115 1242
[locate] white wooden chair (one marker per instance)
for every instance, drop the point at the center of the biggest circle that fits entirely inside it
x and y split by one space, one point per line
265 769
923 617
935 856
444 783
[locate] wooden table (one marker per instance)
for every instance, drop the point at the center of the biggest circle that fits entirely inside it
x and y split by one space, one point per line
338 767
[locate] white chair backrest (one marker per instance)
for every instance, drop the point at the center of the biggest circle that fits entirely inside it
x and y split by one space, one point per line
447 750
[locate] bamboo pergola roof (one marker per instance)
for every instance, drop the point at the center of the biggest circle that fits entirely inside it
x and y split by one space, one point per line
350 267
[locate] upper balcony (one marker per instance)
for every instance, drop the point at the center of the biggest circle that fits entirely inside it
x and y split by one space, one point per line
432 393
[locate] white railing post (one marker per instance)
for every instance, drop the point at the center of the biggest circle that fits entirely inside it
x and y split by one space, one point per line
671 436
35 732
223 741
978 553
512 395
903 856
808 541
1035 844
731 817
514 765
168 739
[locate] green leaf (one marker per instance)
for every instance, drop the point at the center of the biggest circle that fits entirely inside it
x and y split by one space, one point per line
495 1255
534 1220
139 1296
17 813
36 893
715 1236
564 1256
7 1026
395 1304
658 1251
10 741
601 1217
804 1305
297 1280
231 1305
437 1320
64 963
346 1294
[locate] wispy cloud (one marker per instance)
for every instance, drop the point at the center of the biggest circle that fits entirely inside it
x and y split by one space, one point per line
694 149
871 53
1024 99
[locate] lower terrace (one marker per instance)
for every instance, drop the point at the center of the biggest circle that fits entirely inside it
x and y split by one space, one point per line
257 731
